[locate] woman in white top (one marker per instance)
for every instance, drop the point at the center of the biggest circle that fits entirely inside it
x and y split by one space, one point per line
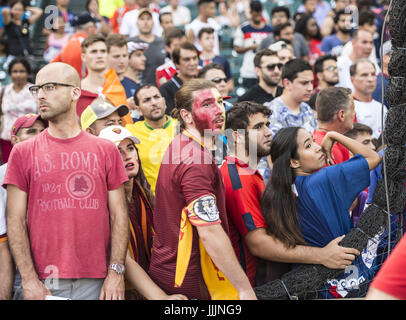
16 101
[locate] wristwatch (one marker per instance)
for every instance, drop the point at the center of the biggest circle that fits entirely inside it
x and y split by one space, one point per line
117 267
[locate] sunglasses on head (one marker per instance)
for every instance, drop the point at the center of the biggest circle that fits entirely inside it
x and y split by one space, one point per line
271 67
218 80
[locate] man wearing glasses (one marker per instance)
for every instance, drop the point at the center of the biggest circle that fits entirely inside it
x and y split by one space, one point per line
70 186
268 68
326 72
215 73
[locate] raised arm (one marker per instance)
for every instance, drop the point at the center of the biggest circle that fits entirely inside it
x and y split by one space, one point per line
191 36
36 13
354 146
6 16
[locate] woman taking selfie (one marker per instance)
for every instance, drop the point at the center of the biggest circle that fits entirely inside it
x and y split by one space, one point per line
17 26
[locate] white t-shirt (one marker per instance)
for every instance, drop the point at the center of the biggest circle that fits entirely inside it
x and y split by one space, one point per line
196 25
180 16
344 78
14 105
369 113
245 36
129 24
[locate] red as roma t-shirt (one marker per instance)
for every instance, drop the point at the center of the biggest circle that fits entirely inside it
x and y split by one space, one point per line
67 182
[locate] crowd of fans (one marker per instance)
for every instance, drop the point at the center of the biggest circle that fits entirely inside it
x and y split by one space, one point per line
307 77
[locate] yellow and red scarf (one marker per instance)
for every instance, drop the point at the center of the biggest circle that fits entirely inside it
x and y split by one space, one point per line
217 284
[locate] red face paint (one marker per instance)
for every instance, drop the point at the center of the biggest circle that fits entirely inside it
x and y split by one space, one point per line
208 111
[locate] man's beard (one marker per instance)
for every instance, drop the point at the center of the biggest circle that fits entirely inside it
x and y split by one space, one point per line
332 83
261 152
269 82
345 30
52 114
146 32
155 118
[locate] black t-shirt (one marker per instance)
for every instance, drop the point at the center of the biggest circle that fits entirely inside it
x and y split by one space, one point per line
18 38
259 95
168 91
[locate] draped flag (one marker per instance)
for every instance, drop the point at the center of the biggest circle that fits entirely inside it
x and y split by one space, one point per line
218 285
114 91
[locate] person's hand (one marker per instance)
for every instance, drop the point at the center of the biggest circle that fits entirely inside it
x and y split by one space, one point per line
131 103
334 256
35 290
247 295
327 147
176 297
354 204
94 8
254 46
331 14
113 287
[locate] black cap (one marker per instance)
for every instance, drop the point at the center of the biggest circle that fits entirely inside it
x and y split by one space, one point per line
83 18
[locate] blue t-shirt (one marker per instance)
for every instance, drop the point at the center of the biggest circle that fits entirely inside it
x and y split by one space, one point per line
332 45
323 203
129 86
324 199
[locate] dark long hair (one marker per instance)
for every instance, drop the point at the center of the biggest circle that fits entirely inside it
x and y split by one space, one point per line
278 203
22 61
143 182
301 27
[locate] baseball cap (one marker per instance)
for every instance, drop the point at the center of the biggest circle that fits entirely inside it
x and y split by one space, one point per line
136 45
100 109
25 121
276 46
117 134
144 10
83 18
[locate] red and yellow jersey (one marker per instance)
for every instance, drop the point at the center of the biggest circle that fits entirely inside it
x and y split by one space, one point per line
189 193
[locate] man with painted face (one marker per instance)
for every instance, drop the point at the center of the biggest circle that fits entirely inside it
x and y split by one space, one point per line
192 253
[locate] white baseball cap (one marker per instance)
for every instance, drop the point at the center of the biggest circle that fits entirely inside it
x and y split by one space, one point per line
117 134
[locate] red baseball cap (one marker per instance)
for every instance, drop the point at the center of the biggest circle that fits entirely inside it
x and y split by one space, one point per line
25 121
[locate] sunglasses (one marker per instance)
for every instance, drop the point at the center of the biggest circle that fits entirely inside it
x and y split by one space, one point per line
218 80
331 68
271 67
